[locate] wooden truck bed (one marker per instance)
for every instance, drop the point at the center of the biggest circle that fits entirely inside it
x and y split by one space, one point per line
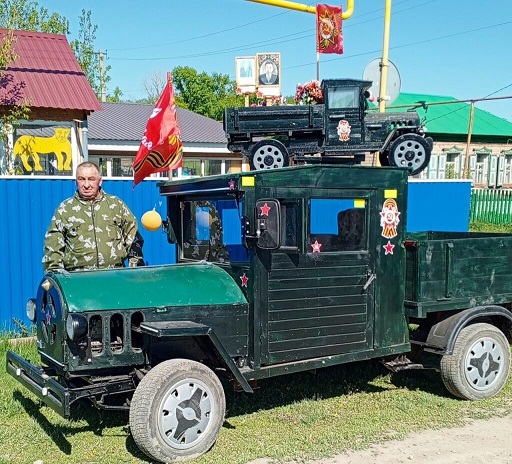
446 271
273 119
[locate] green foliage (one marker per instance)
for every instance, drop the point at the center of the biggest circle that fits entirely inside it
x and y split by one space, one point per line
92 63
487 227
28 16
205 94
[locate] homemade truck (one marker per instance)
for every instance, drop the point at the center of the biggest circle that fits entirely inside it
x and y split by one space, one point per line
341 130
278 271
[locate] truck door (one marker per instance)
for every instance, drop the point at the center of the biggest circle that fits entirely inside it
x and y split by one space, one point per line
320 296
344 113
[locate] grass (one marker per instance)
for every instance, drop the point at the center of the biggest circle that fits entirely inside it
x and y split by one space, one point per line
296 417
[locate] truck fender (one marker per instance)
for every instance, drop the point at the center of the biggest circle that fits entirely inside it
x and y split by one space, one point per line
189 328
442 336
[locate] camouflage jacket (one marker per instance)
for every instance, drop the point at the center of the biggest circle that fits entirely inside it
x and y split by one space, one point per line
89 234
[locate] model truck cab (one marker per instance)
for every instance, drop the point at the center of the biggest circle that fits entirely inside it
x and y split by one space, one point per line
341 130
278 271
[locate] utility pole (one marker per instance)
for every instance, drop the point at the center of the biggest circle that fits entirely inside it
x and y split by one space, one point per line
103 91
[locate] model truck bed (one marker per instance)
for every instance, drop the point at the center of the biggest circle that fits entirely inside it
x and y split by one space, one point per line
273 119
446 271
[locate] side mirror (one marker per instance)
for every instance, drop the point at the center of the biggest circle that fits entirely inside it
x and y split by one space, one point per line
268 224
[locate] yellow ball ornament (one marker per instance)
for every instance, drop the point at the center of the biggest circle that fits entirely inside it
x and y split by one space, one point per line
151 220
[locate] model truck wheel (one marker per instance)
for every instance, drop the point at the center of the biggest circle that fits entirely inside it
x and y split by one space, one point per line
177 411
479 365
269 154
410 151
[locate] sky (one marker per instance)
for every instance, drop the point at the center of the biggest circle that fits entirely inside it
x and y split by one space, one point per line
454 48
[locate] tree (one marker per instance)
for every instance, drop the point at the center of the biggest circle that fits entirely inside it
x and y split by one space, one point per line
28 16
205 94
92 63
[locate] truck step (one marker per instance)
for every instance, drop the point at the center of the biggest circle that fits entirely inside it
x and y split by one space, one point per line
401 363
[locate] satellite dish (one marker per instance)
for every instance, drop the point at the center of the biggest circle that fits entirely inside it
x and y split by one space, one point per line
372 73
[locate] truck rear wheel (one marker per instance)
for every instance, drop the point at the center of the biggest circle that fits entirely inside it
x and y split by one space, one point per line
479 365
269 154
410 151
177 411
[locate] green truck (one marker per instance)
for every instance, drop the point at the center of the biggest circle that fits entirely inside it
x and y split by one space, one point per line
341 130
278 271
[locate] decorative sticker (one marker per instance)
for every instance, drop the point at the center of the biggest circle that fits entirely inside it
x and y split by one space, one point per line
388 247
316 246
244 280
344 130
264 210
389 218
231 184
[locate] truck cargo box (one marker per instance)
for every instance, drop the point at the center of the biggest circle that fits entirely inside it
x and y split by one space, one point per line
446 271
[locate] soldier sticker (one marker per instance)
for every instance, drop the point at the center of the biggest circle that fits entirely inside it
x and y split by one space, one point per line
344 130
389 218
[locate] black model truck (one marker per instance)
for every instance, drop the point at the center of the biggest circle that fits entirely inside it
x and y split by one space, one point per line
341 130
278 271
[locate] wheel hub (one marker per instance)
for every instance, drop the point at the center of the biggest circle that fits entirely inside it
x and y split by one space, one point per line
185 414
483 364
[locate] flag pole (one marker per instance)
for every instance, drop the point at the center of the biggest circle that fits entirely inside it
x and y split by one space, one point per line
317 66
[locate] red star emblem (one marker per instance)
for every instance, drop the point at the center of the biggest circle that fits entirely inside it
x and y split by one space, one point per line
231 184
316 246
265 209
389 248
244 280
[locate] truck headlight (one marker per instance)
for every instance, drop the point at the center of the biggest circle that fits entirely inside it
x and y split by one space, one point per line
76 326
31 309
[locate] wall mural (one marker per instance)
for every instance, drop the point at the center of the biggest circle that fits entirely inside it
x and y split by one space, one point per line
31 147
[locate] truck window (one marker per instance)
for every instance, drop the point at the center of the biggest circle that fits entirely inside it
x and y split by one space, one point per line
212 231
343 98
289 224
337 224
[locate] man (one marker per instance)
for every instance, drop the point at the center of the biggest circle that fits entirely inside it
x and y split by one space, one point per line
91 229
269 75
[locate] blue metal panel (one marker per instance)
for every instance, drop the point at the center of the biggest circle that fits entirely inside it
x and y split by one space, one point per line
25 213
441 206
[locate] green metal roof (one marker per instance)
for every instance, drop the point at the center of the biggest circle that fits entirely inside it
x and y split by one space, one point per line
452 119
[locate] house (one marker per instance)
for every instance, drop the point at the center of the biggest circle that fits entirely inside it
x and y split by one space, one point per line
115 133
47 78
447 121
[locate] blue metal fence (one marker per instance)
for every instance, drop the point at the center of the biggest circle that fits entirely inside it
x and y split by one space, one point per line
27 206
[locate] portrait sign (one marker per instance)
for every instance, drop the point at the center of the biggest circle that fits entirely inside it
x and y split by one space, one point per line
269 73
245 73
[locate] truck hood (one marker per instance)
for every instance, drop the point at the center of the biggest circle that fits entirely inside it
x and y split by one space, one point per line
148 287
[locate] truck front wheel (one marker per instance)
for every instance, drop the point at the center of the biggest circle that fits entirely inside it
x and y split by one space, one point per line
410 151
177 411
269 154
479 365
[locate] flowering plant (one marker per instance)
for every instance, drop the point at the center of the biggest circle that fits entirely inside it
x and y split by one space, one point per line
309 93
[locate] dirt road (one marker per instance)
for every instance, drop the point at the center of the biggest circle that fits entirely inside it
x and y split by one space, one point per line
479 442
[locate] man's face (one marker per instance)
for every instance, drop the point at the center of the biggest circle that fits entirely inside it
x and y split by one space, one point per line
269 68
88 181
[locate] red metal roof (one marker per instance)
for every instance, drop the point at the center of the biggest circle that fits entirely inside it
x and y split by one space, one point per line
51 73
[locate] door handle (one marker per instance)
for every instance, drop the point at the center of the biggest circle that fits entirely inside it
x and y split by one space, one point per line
371 278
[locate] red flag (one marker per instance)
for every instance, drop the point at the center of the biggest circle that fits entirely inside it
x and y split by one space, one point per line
161 147
329 38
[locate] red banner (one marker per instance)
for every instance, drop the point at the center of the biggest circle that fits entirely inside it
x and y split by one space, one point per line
329 38
161 148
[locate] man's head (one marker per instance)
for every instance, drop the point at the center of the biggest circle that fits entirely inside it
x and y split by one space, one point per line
269 67
88 180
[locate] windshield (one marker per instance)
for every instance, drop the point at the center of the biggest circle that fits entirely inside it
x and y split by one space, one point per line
212 231
343 97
